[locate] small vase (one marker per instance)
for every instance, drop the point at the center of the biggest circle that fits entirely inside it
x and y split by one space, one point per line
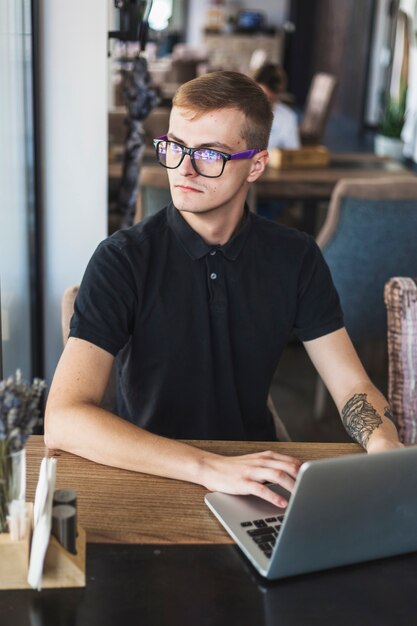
12 483
388 146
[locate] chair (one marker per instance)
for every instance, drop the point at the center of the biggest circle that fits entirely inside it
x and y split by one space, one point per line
155 125
258 58
117 125
184 69
109 398
400 295
67 309
369 235
319 103
153 192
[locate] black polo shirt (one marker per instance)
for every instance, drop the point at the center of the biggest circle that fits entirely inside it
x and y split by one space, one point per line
199 329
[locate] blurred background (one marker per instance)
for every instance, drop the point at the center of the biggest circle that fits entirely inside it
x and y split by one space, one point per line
69 85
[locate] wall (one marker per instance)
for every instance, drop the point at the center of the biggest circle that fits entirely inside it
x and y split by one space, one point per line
276 12
331 37
410 128
342 43
74 138
380 62
16 184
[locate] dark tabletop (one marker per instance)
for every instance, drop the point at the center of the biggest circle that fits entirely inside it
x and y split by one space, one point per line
215 585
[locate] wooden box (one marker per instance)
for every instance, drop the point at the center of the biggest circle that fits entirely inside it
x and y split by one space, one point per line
14 558
61 568
298 158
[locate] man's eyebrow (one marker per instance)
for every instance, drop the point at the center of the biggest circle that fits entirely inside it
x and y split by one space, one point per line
212 144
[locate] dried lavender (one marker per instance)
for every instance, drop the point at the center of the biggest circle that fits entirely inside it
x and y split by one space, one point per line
19 414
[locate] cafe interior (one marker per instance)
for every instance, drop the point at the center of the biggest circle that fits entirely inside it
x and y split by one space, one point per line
85 89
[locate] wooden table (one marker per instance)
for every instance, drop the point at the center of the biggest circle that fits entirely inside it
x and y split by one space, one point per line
318 183
308 185
119 506
297 184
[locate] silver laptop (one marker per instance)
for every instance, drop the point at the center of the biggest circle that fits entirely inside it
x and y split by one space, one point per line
344 510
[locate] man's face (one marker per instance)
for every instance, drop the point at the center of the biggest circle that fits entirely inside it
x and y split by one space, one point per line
220 130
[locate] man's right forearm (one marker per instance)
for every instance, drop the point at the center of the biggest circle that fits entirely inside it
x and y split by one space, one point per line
98 435
93 433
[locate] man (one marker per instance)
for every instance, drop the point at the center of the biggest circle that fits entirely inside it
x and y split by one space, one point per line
198 302
284 132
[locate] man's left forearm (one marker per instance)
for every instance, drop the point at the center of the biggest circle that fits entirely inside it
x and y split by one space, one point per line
365 412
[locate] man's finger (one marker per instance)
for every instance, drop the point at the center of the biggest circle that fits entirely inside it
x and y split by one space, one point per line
264 492
270 475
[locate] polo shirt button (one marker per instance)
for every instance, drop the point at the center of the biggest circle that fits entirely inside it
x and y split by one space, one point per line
213 276
213 252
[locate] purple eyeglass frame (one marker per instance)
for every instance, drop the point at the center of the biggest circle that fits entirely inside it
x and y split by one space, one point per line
245 154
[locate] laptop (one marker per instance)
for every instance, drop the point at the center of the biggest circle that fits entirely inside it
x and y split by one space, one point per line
344 510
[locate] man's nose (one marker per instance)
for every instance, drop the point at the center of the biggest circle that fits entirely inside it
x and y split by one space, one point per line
186 168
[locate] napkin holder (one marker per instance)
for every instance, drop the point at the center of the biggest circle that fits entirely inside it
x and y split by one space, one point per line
61 568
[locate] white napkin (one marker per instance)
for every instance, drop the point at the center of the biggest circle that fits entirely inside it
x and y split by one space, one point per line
42 520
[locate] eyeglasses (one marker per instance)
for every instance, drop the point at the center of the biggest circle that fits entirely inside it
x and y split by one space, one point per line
205 161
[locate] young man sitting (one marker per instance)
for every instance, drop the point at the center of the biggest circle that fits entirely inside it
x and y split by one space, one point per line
197 303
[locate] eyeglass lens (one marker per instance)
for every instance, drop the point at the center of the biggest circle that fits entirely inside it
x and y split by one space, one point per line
206 162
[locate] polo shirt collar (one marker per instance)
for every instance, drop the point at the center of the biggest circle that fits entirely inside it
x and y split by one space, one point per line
196 247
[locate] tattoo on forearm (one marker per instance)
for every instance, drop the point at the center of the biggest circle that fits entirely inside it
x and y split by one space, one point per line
360 418
388 414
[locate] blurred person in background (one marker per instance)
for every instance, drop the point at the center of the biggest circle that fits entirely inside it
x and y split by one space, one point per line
284 132
273 82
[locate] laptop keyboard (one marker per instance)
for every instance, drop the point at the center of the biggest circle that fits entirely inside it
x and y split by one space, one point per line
264 532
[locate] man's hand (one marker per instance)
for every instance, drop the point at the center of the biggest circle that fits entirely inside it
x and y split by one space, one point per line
247 474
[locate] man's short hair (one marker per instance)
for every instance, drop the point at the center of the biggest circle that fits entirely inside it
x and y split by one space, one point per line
229 90
272 76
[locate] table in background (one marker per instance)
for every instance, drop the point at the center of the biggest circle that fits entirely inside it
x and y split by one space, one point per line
307 185
318 182
299 183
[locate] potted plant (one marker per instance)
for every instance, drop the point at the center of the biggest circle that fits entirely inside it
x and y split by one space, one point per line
388 141
19 411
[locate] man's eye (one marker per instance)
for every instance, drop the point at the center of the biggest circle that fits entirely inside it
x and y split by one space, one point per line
208 155
175 147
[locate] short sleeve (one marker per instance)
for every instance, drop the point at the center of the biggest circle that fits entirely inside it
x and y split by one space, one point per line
318 305
105 305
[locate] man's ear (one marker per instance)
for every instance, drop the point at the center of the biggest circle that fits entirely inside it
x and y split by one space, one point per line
258 165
